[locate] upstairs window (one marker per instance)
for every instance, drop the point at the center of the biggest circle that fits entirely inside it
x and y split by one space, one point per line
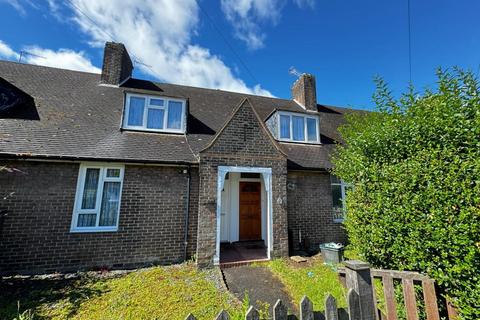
151 113
297 127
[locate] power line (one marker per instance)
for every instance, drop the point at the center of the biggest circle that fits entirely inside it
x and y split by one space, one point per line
109 35
409 42
212 22
136 60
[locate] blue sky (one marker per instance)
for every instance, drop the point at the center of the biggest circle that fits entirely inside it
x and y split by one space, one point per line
207 43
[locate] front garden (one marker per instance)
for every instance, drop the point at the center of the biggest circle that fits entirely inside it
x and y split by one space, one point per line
169 292
154 293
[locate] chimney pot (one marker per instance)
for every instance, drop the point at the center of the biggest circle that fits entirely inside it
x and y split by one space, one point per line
117 65
304 91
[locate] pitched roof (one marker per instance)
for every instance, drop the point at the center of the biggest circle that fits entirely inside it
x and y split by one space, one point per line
79 119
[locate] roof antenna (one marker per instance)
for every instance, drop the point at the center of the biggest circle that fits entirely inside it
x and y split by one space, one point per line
294 72
135 61
26 53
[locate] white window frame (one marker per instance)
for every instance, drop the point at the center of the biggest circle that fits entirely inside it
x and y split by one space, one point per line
305 117
343 210
149 106
79 196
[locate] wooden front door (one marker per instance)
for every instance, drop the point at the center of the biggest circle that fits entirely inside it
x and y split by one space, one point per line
250 211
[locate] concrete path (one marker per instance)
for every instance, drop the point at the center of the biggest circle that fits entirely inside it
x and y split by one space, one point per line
261 285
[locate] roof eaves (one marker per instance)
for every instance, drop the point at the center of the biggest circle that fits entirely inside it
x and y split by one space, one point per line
4 155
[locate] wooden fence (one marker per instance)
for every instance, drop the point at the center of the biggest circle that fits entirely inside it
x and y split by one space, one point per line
407 280
359 280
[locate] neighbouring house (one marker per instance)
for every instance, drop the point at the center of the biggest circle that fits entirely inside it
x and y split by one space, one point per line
111 171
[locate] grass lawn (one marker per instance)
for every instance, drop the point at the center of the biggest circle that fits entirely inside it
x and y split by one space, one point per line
154 293
312 278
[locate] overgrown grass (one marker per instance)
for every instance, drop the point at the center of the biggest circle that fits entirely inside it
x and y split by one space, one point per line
313 279
154 293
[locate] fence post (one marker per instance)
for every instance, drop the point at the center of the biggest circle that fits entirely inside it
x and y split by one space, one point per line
359 279
306 309
280 311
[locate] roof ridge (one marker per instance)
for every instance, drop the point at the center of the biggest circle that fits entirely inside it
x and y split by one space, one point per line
46 67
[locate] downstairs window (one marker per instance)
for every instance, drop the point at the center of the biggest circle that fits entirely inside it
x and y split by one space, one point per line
97 202
339 190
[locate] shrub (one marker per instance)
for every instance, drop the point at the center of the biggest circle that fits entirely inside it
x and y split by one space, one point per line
415 167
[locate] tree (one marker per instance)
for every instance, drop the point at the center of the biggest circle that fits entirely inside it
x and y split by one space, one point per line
415 168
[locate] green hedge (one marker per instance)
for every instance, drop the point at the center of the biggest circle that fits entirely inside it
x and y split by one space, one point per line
415 167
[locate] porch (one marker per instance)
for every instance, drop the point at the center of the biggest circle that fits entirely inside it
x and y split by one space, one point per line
237 253
243 215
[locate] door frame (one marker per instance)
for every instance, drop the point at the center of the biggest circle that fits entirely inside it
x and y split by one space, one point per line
267 182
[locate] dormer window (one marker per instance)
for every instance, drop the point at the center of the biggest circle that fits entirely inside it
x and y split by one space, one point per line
298 127
152 113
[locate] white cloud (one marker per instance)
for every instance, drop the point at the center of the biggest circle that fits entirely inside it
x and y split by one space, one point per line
305 3
16 5
62 58
247 15
6 52
19 5
159 33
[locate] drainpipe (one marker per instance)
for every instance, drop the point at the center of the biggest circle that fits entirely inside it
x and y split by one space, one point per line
187 209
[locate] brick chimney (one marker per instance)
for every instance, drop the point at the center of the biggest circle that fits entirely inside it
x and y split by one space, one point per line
117 65
304 92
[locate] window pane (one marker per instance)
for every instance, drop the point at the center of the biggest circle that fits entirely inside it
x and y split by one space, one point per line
337 196
298 126
250 175
110 202
113 173
89 197
135 113
86 220
156 102
155 118
335 179
174 115
284 127
312 129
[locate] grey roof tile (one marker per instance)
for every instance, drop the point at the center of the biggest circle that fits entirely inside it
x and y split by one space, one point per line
80 119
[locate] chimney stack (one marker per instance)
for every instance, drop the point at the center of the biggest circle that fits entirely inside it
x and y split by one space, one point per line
304 92
117 65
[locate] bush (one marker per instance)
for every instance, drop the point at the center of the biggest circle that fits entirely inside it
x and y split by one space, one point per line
415 167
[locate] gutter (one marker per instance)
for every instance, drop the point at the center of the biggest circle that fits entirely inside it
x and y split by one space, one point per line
28 156
187 212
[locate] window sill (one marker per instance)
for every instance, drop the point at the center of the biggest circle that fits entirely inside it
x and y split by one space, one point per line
140 129
90 230
308 143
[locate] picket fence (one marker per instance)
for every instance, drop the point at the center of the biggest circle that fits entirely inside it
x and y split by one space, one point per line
358 278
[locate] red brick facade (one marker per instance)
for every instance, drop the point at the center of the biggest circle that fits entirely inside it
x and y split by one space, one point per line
244 142
36 237
310 209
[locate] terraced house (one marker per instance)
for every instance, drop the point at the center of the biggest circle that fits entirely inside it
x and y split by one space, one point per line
111 171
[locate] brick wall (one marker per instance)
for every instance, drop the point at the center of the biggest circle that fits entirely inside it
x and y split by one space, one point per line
35 236
243 142
310 209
